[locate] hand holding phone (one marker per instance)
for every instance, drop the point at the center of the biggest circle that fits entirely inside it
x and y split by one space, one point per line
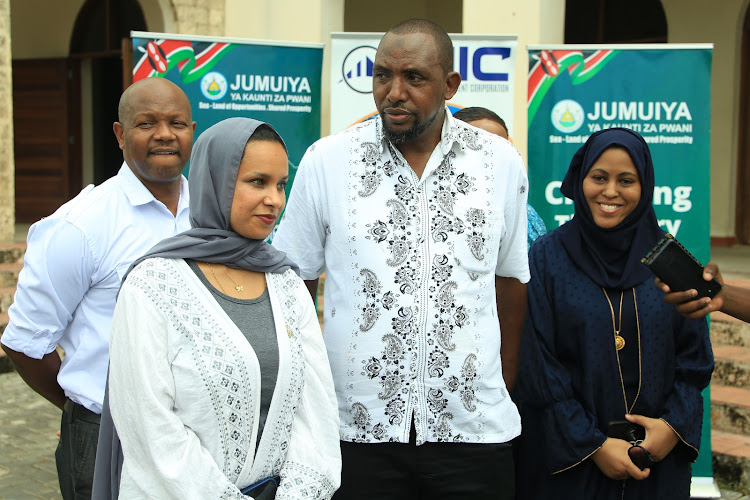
675 266
627 431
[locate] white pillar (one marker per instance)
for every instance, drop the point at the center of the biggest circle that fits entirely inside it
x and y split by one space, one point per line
7 165
290 20
534 21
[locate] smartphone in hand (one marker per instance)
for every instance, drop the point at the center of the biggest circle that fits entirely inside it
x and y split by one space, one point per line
675 266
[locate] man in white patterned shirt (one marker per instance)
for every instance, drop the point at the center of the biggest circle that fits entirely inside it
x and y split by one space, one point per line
419 222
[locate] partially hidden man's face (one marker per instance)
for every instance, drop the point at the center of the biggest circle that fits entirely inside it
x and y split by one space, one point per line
490 126
409 86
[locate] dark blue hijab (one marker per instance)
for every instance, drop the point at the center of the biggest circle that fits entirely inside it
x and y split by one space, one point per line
611 257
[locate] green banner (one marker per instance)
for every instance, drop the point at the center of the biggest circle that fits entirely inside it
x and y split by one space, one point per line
278 83
662 92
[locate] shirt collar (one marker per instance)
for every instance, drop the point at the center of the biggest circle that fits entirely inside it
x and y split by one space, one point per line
138 194
450 134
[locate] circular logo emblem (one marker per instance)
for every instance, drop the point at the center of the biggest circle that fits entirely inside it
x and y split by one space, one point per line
357 69
567 116
214 86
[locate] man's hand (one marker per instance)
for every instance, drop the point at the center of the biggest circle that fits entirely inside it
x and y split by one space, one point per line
685 301
312 287
40 374
510 295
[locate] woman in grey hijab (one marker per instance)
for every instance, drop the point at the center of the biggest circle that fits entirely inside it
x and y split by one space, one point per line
219 379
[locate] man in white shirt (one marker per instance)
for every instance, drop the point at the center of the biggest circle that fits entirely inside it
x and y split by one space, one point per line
76 259
419 222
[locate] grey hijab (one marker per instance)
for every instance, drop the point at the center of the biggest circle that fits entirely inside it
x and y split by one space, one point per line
213 173
214 164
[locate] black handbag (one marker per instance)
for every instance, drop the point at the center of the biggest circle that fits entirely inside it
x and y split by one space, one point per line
265 489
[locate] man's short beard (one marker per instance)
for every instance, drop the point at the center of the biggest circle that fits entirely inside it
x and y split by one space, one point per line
409 135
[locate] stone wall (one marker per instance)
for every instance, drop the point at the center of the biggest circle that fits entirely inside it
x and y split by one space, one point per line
199 17
7 166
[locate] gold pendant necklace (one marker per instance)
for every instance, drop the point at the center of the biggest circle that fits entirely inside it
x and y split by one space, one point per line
619 340
237 286
629 408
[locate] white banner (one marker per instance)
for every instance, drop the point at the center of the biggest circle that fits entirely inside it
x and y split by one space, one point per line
485 63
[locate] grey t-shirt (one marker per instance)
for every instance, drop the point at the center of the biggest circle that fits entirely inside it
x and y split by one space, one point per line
254 318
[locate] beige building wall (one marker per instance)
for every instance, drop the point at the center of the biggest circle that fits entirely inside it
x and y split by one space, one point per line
48 35
7 167
55 20
689 22
195 17
309 21
534 21
380 16
42 29
159 15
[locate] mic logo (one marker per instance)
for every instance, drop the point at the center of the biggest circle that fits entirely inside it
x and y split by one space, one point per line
357 69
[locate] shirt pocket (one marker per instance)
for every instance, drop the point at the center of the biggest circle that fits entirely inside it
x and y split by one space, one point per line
477 247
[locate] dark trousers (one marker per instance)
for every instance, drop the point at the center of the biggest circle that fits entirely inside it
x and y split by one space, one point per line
76 451
431 471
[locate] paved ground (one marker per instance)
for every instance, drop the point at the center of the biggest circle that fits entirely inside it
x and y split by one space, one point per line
28 426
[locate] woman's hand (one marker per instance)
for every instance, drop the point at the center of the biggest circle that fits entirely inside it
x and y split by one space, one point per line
660 437
613 460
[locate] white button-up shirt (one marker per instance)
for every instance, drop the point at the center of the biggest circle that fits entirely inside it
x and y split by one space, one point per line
411 322
74 263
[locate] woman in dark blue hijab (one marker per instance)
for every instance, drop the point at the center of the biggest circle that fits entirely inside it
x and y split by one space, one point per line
601 350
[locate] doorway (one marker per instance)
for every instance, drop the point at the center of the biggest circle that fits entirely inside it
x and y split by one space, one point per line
742 208
97 41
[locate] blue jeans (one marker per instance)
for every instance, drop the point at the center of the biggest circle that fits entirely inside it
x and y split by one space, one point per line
76 451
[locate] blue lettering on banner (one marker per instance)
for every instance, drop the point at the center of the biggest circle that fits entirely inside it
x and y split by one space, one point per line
476 63
463 62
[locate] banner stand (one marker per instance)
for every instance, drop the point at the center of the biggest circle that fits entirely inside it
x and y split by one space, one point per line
273 81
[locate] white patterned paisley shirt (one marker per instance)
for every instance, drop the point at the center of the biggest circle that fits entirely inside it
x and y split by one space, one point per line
411 324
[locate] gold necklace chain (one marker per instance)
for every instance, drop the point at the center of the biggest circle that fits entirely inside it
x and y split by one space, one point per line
629 409
619 340
211 268
237 286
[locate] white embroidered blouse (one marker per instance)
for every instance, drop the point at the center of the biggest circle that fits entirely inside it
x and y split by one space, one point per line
411 322
185 392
